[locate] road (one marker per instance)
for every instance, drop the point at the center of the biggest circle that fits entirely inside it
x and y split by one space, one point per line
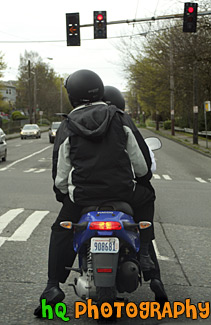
28 209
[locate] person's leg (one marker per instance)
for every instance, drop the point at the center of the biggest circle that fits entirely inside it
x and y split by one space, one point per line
154 275
143 207
61 254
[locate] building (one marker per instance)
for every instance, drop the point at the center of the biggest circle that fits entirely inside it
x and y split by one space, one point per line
8 92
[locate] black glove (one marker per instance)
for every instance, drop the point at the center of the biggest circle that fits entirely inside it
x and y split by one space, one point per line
60 197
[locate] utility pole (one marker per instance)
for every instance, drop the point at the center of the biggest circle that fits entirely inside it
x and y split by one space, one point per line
61 102
29 83
171 88
35 98
195 104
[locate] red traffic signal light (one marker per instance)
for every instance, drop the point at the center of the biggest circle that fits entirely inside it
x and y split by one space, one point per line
190 17
100 24
190 10
99 17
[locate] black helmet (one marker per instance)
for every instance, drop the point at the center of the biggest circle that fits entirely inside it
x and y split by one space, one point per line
113 96
84 86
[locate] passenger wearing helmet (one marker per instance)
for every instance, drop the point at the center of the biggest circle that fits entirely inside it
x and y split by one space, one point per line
112 96
96 158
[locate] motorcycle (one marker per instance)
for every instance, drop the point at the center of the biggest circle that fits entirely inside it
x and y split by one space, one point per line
106 240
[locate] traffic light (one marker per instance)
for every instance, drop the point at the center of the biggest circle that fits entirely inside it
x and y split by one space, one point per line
100 24
73 29
190 17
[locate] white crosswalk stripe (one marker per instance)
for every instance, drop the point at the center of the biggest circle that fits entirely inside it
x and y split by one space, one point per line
199 179
155 176
7 217
24 231
167 177
35 170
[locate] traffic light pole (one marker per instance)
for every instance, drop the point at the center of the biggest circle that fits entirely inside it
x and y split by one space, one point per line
138 20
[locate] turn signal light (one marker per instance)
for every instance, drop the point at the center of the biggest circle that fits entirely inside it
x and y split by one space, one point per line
105 225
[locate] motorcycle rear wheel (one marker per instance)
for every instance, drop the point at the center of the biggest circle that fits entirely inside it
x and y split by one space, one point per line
106 294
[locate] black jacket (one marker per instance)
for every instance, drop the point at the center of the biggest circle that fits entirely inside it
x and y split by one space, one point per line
96 156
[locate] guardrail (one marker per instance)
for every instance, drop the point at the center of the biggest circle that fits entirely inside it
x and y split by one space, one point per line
187 130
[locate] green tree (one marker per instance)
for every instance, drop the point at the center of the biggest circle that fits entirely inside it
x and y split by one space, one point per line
44 85
149 74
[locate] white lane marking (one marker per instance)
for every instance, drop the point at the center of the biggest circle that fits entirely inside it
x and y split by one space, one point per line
40 170
156 176
160 257
27 157
7 217
26 229
167 177
29 170
2 240
199 179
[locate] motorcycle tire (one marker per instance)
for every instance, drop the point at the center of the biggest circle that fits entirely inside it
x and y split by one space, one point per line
106 294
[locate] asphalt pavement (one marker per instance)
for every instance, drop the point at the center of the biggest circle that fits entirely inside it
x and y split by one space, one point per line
186 139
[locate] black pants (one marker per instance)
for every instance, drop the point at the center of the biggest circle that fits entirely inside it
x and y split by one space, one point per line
61 252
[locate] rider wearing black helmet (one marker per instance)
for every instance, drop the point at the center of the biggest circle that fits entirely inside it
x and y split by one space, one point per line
88 144
113 96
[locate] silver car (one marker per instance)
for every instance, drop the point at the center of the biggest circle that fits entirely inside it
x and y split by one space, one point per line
2 134
3 148
30 131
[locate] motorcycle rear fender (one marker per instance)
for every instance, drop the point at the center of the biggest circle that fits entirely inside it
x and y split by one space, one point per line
105 261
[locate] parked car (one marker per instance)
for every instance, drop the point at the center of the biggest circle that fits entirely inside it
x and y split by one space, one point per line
3 148
30 131
52 131
2 134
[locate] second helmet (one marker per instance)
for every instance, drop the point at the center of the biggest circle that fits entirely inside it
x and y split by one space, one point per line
113 96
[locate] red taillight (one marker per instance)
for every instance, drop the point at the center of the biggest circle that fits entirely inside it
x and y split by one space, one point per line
104 270
105 225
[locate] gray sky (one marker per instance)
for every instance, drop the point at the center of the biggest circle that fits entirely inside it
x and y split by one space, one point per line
45 20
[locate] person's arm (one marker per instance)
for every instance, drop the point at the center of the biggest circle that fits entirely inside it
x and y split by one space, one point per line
153 166
136 156
127 121
63 167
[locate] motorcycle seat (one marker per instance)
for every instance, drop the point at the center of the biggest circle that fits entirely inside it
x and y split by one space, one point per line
110 206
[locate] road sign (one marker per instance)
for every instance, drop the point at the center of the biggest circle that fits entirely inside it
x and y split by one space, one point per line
207 106
73 29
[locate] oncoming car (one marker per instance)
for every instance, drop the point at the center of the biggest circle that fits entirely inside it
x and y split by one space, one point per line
30 131
52 131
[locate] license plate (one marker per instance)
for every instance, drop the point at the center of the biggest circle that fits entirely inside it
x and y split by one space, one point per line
104 245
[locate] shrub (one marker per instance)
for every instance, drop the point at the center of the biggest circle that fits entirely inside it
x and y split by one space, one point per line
18 116
167 125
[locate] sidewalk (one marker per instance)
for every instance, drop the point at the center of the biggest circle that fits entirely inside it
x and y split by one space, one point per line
186 139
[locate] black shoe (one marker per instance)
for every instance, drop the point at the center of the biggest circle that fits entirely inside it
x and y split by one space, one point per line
52 296
160 295
146 263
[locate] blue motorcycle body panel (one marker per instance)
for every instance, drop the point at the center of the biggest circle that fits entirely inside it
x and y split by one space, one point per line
131 237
